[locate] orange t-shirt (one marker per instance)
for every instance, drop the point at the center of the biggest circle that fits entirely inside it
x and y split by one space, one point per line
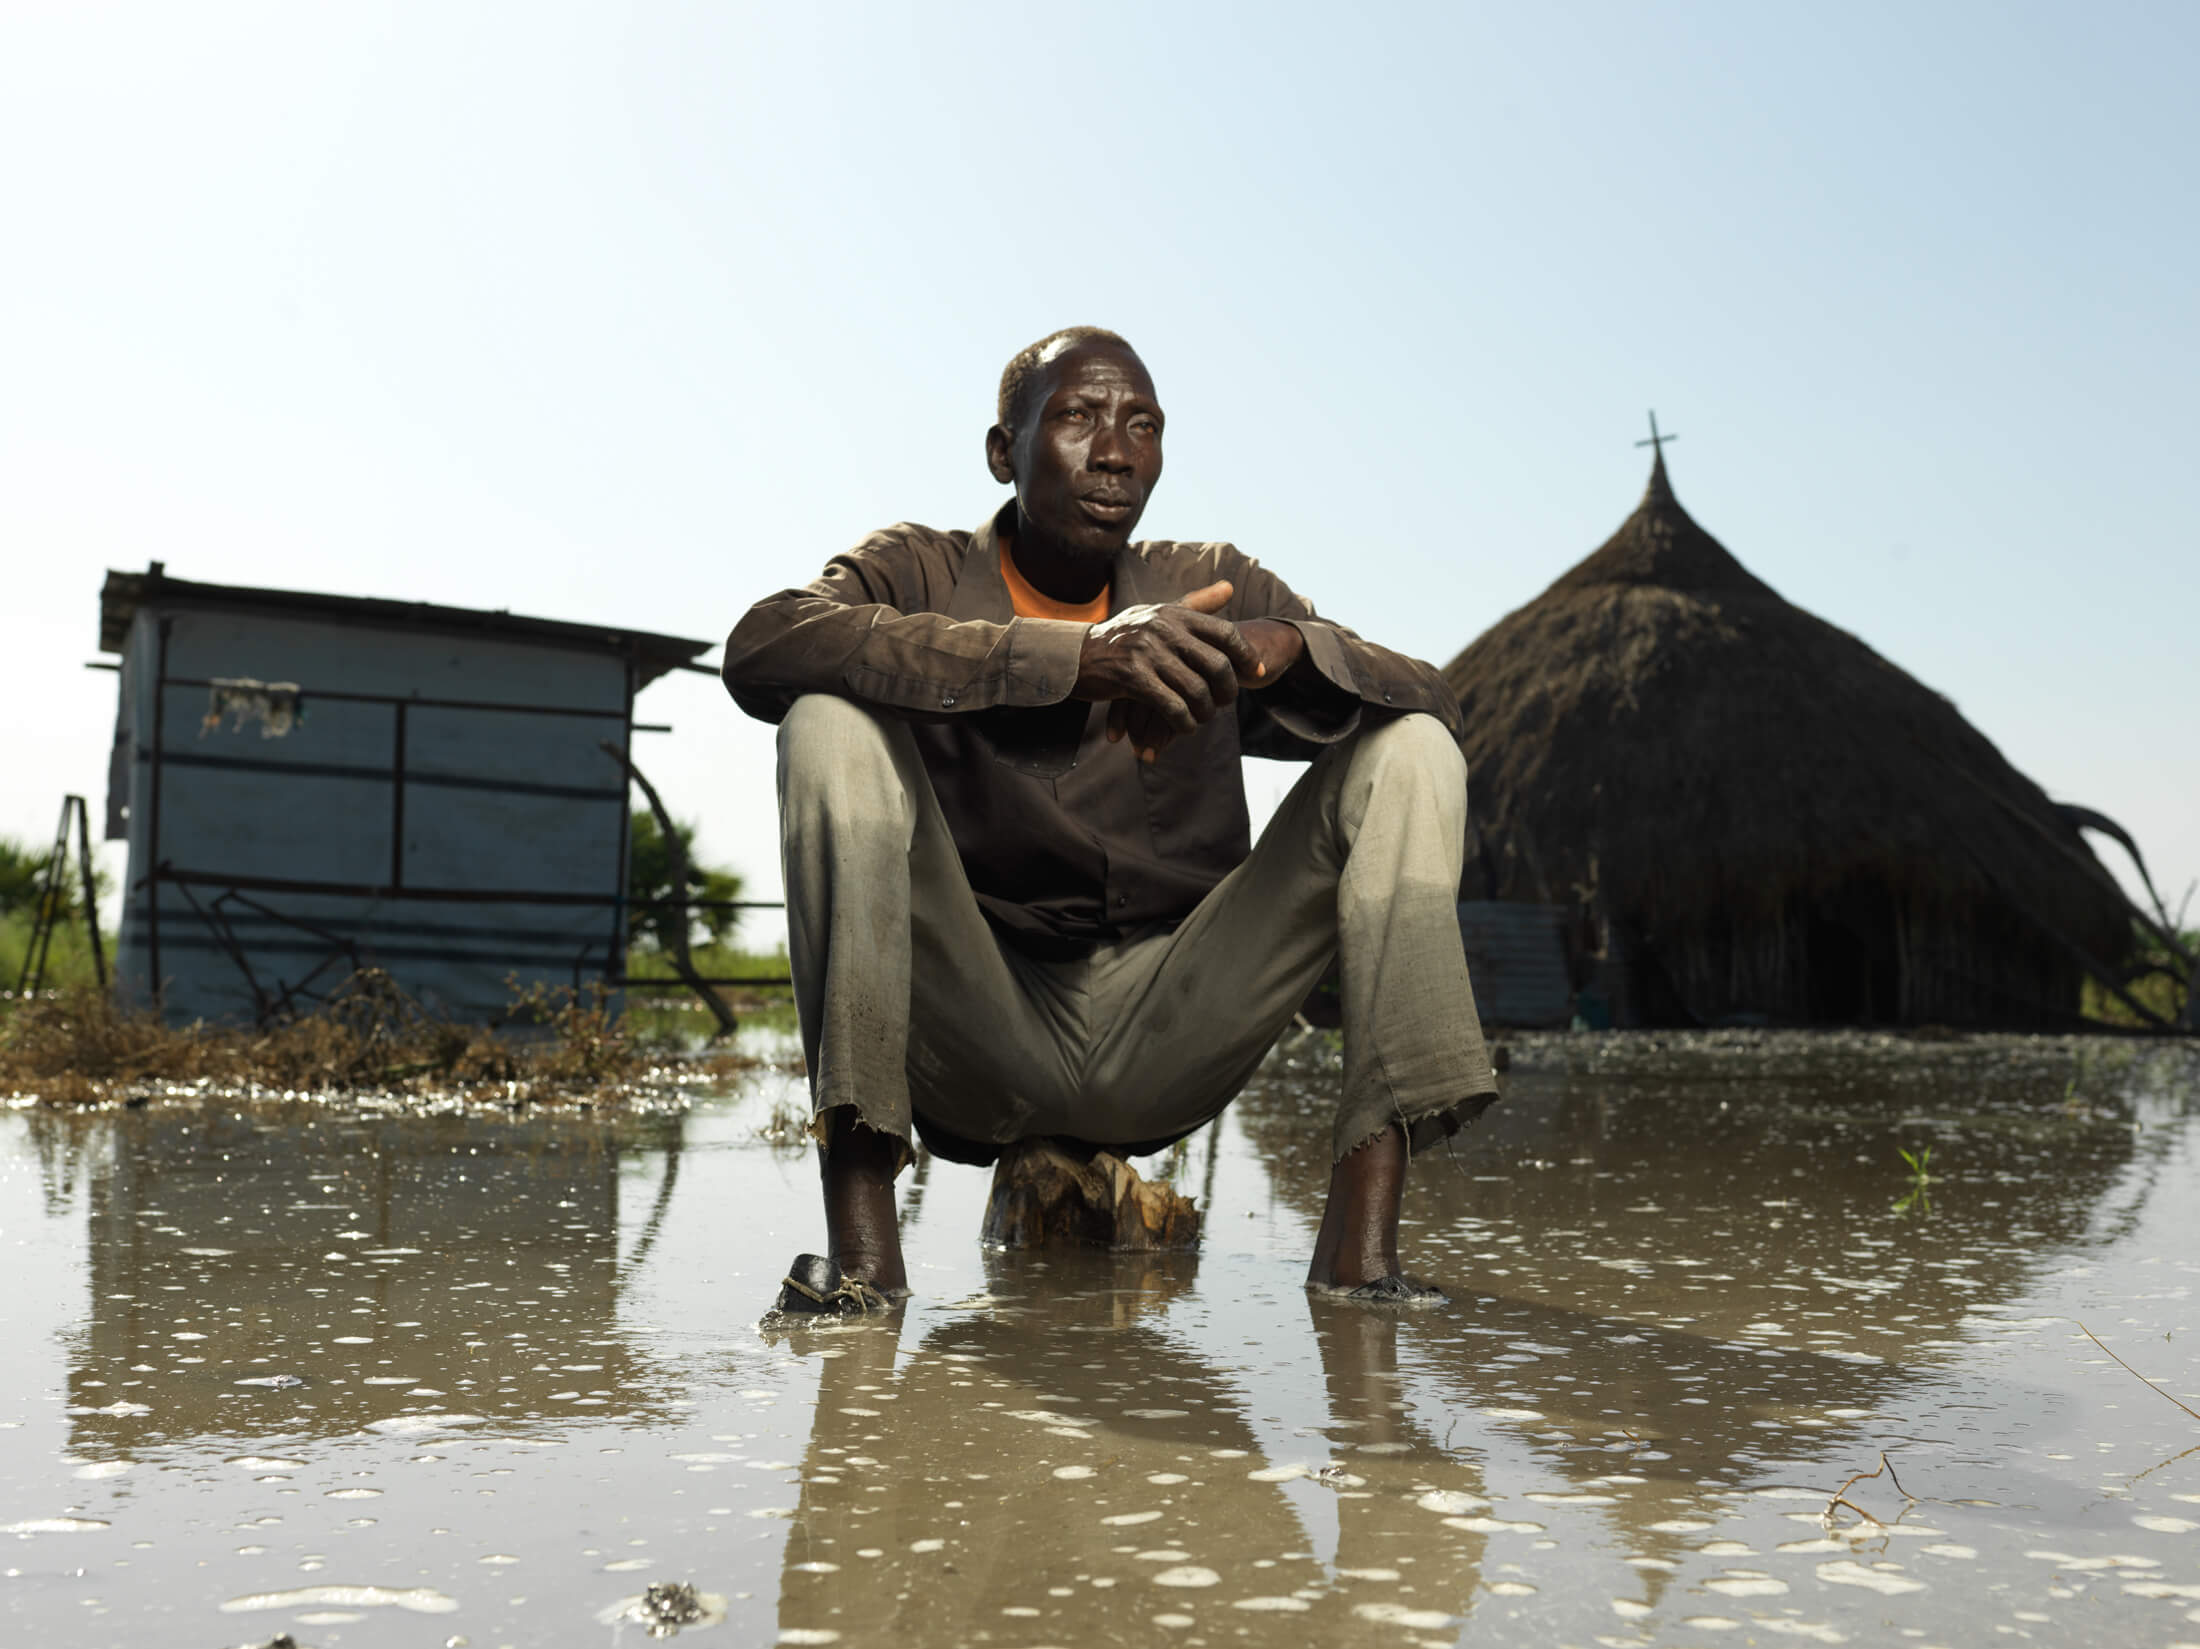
1030 602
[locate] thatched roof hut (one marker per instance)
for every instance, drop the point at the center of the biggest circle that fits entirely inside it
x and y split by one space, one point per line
1767 819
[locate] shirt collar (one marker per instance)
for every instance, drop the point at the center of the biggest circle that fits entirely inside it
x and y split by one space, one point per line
982 594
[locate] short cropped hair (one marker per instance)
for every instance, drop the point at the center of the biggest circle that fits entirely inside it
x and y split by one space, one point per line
1023 367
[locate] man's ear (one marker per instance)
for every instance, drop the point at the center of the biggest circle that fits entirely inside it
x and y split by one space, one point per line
998 444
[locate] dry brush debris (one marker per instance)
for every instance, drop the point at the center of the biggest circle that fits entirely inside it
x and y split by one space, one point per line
553 1042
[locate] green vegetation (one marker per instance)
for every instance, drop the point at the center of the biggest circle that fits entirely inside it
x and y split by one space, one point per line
21 871
68 958
713 961
1919 1196
22 883
674 1015
2155 975
649 876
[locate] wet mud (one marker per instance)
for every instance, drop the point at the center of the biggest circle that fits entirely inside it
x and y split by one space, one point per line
369 1379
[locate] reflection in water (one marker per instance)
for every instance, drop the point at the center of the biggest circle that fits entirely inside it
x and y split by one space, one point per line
1056 1456
324 1374
298 1275
1663 1298
1670 1288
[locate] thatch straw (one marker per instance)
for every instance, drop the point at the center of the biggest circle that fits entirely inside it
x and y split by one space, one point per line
1768 817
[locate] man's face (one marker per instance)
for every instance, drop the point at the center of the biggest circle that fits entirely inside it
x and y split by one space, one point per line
1089 450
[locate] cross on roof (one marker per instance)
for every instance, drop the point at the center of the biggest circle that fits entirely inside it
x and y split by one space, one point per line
1656 440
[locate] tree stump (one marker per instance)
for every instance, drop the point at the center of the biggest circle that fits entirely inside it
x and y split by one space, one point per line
1046 1197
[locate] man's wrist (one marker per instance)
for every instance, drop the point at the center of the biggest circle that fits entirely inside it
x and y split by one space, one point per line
1280 644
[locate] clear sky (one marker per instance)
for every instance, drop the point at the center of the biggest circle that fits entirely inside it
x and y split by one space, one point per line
634 314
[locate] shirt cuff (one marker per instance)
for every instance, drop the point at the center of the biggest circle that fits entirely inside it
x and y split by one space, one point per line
1036 726
1043 658
1309 713
1327 655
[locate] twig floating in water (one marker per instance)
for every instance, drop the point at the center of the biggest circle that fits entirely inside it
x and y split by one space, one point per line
2134 1373
1839 1500
1840 1496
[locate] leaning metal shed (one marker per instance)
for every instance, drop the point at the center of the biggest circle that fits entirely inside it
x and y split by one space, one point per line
312 784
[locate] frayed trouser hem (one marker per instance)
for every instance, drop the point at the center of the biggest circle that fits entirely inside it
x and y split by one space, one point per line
821 1128
1426 1131
1424 1128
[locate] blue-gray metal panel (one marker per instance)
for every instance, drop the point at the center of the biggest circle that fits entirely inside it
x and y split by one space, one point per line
1516 958
316 805
534 839
455 959
349 659
271 819
472 839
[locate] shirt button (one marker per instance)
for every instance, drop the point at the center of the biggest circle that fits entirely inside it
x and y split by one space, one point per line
947 701
1122 899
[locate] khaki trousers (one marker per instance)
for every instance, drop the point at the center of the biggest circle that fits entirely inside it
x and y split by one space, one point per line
913 1010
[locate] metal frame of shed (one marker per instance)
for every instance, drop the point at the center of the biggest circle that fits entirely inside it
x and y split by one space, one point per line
215 895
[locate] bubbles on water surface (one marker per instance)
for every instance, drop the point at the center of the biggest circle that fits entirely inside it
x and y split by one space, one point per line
1190 1576
55 1525
1598 1374
419 1600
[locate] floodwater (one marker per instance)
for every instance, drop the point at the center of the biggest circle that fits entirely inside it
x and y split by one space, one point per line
382 1380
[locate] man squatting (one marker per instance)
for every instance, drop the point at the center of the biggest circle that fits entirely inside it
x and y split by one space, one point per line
1022 898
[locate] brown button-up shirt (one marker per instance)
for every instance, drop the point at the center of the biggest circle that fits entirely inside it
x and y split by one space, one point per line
1067 840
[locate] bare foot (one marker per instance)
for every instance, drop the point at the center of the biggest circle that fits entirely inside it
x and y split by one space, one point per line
815 1287
1356 1252
1400 1290
858 1168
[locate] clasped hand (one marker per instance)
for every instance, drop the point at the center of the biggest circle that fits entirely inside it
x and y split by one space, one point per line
1164 670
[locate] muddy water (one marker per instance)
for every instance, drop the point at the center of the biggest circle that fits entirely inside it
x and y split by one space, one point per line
373 1380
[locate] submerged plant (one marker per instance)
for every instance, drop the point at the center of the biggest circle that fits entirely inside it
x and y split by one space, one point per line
588 1042
788 1125
1918 1197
